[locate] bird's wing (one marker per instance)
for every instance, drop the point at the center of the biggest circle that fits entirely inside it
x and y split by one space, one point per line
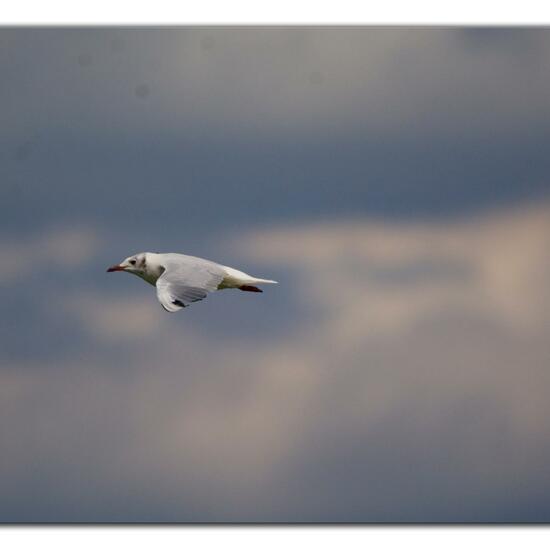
186 280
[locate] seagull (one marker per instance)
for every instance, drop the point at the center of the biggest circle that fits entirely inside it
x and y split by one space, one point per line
182 280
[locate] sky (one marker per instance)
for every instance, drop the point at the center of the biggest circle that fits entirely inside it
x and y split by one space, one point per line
394 180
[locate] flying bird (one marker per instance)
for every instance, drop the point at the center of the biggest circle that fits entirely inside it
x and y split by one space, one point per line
182 280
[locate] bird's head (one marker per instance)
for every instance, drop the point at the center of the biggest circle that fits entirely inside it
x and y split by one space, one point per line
136 264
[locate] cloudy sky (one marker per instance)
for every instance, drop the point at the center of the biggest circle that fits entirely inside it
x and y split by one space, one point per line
394 180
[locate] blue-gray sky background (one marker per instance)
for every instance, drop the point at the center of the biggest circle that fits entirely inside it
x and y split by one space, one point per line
394 180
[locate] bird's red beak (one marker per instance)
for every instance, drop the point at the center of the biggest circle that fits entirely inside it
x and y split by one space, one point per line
115 268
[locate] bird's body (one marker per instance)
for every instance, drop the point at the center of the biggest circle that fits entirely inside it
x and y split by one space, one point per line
182 280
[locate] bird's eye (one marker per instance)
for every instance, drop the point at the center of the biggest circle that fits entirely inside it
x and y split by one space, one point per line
133 262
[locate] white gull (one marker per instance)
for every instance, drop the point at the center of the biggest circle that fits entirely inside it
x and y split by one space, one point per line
182 280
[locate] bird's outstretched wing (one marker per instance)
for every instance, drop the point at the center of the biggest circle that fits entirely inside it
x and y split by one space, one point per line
186 280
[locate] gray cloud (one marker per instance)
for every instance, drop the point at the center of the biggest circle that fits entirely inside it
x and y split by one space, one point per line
173 137
394 181
276 82
418 399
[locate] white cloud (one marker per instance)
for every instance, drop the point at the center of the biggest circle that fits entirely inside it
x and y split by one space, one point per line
66 248
421 377
115 319
389 276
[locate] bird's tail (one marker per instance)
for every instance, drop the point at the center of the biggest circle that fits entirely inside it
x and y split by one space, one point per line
252 281
263 281
243 281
